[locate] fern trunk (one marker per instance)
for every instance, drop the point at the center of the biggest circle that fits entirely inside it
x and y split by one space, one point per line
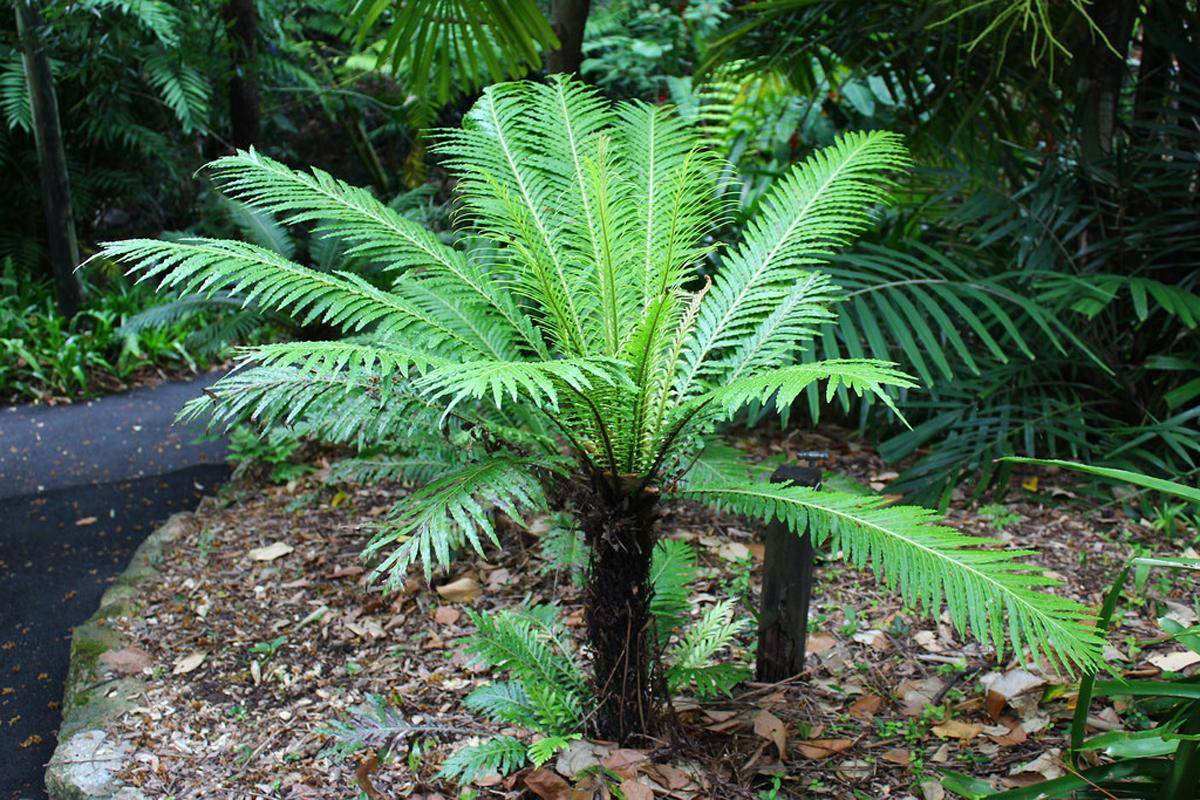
620 537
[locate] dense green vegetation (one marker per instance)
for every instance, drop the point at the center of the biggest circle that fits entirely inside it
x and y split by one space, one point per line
971 231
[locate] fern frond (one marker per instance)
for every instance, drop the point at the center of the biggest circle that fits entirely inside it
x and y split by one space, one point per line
672 570
503 701
548 747
690 661
929 564
815 209
535 382
532 647
453 510
500 755
722 463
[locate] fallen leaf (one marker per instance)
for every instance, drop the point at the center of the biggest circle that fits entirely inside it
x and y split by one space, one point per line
818 643
270 552
669 777
915 695
447 615
625 762
932 790
463 590
1011 684
877 640
771 728
1177 661
864 708
1047 765
547 785
579 756
896 756
734 551
1030 484
85 521
188 663
635 790
817 749
954 729
127 661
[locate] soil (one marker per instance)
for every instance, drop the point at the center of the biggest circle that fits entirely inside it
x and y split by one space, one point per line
253 655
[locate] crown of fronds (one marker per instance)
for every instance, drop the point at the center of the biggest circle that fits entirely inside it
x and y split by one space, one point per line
573 333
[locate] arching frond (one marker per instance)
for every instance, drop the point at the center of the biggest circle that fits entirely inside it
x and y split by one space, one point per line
989 593
691 664
453 511
809 213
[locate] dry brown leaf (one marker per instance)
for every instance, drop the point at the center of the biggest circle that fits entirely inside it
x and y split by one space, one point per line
547 785
668 776
864 708
954 729
464 590
1008 686
771 728
817 749
270 552
896 756
127 660
635 790
1176 661
876 640
625 762
818 643
447 615
188 663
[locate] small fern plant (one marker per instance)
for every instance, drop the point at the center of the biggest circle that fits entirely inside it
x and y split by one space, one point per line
546 690
572 352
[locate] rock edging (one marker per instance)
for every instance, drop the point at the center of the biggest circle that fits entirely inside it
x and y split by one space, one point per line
88 758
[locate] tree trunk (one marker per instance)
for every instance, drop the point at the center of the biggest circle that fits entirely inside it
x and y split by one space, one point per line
568 18
245 115
52 160
617 612
1105 72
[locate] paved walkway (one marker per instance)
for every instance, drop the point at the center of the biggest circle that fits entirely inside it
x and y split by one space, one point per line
80 487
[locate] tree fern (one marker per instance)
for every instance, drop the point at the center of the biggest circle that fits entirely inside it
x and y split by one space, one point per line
570 340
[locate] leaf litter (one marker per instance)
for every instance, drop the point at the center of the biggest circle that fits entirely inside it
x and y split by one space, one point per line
264 653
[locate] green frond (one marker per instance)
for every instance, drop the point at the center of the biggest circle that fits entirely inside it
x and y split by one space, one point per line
808 214
500 755
672 571
503 701
690 661
259 227
532 647
548 747
423 459
989 593
536 382
722 463
272 282
455 509
784 385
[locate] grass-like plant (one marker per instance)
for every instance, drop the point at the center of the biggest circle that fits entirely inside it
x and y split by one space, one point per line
571 351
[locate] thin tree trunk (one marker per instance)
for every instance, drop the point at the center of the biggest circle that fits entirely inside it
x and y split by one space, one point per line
617 612
52 160
245 114
568 18
1105 72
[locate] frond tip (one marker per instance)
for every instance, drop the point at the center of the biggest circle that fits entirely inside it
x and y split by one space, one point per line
991 594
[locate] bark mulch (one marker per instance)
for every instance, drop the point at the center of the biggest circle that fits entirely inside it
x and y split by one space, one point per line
261 634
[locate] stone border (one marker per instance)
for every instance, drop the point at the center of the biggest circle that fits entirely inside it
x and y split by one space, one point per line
88 757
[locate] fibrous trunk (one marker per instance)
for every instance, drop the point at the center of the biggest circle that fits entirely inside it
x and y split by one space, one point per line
621 540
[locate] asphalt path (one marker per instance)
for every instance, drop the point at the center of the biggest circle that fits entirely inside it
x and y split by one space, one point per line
81 486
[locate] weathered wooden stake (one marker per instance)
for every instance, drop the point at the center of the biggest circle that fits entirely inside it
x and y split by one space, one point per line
787 588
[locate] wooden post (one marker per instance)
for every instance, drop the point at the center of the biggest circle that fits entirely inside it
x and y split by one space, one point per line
52 160
787 588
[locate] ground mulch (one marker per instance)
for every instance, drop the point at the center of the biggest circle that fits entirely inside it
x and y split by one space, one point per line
261 633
